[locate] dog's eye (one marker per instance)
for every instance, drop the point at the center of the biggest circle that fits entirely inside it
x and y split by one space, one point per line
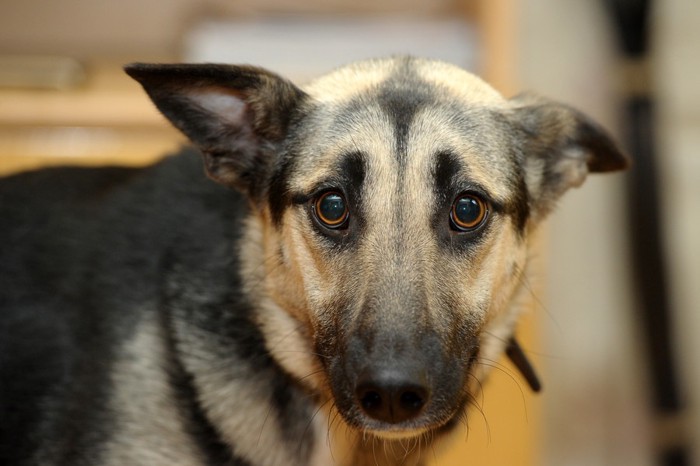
331 210
468 213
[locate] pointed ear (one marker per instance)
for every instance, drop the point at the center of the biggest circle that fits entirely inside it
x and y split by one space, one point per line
561 146
236 115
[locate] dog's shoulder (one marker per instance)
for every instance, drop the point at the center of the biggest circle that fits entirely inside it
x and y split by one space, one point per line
75 236
92 204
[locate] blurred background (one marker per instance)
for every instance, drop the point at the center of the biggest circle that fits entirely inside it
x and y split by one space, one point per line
64 99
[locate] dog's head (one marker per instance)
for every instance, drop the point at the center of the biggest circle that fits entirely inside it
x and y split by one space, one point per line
394 200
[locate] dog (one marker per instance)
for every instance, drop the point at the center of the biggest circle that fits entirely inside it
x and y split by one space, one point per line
334 299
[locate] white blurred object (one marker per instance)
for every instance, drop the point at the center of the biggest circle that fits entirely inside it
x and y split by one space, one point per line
302 48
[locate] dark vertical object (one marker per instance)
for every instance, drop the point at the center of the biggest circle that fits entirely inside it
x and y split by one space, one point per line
517 356
631 20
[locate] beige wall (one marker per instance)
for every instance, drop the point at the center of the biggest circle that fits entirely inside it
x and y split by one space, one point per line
94 28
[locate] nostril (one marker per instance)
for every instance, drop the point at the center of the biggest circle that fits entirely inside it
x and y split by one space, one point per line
375 402
371 400
412 400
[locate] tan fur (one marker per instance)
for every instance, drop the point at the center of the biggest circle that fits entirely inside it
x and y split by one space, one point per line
144 394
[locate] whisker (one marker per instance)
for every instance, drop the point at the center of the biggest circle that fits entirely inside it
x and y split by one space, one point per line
430 441
308 425
479 407
525 282
503 370
263 425
505 341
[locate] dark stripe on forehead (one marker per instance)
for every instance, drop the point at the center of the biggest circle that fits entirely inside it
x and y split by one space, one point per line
353 170
401 97
447 169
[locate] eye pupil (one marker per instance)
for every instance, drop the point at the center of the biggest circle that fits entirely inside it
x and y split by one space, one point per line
331 209
468 212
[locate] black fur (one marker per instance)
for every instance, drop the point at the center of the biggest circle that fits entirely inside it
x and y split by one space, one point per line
72 238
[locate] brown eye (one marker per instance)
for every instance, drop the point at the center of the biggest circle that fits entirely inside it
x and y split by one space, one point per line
331 209
468 213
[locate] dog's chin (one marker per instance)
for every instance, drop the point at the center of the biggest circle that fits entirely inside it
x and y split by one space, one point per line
391 432
405 432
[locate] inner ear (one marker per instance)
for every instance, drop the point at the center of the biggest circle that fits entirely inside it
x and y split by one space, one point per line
224 104
218 120
236 115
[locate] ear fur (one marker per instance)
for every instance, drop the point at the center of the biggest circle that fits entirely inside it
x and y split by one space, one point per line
236 115
561 146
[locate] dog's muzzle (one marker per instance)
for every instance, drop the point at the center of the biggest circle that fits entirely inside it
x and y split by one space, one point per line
398 384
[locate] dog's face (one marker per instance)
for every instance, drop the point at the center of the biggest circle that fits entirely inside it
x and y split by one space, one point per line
393 203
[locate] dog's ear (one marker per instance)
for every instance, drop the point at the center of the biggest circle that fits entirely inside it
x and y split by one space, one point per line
561 146
236 115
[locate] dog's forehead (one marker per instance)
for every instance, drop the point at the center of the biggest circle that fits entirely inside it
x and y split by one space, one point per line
359 78
403 113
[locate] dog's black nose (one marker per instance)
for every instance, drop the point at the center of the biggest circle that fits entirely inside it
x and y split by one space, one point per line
391 399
